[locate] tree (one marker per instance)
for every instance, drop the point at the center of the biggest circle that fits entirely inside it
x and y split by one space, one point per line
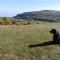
6 21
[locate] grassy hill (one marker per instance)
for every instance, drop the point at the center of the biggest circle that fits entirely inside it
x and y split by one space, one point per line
14 42
44 15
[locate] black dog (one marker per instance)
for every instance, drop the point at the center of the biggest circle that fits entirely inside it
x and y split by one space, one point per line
56 36
56 40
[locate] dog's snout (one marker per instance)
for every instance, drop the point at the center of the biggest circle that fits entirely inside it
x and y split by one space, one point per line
51 31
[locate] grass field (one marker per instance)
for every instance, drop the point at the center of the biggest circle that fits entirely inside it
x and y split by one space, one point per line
14 42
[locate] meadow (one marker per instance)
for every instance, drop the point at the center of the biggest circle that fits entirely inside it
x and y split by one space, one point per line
15 39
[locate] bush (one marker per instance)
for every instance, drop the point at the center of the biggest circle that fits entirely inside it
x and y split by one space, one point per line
17 22
28 23
5 21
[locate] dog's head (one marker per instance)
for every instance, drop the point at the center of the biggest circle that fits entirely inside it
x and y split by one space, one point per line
53 31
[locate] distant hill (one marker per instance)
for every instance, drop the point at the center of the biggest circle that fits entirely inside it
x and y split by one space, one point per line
44 15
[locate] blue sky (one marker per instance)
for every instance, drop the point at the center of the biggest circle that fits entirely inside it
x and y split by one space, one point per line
13 7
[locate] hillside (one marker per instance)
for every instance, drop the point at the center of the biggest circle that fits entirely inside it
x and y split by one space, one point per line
46 15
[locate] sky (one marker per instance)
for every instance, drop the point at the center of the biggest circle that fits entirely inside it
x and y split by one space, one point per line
12 7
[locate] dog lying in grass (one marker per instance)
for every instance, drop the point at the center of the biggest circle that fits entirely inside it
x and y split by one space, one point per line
56 40
56 36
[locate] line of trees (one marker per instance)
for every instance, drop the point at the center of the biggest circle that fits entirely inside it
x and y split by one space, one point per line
9 21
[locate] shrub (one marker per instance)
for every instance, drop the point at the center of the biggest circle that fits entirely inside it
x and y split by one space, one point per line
28 23
5 21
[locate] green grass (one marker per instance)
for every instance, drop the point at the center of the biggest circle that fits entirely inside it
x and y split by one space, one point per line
14 42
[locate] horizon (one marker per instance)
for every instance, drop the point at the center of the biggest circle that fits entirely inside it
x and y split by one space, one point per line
14 7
